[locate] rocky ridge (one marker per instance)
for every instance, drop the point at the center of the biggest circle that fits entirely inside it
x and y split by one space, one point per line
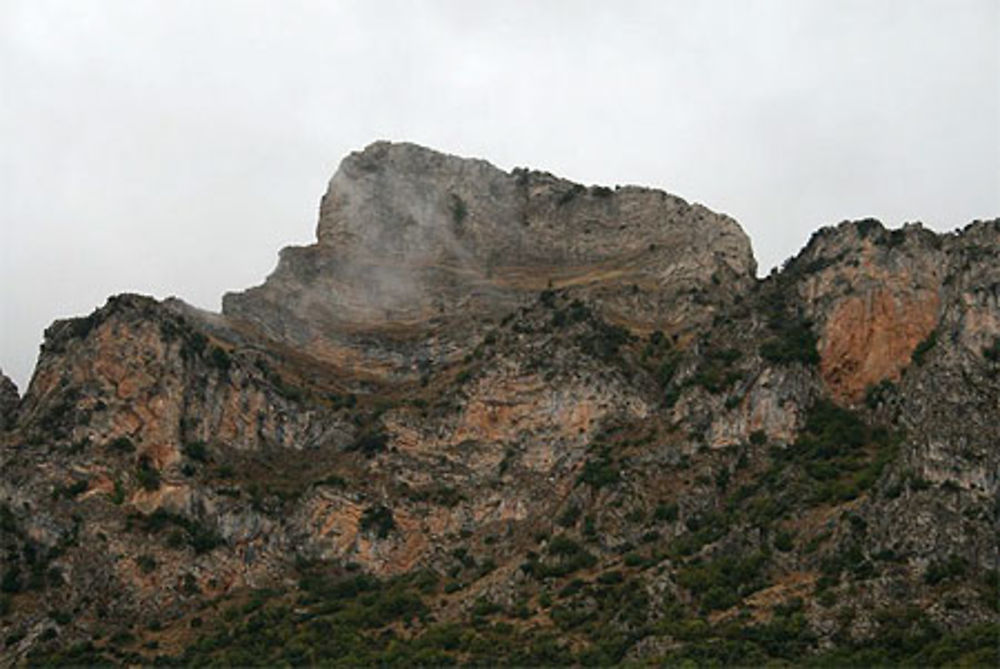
566 438
416 248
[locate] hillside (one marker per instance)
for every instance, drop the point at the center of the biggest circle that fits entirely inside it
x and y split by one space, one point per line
502 417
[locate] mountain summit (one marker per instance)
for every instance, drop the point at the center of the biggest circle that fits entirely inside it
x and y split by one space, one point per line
424 245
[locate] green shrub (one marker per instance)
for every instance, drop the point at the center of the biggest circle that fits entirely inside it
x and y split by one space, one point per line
784 541
220 359
459 210
377 519
569 516
600 471
942 570
146 563
121 445
147 474
369 443
666 512
723 582
919 355
196 450
992 353
795 342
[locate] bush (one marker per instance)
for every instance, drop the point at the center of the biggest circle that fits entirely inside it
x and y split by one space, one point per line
459 210
723 582
377 519
369 443
784 541
942 570
714 372
220 359
666 512
121 445
920 353
196 450
992 353
877 394
147 475
147 563
795 342
569 517
600 471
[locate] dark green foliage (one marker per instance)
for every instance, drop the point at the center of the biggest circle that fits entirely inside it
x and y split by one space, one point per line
879 393
196 450
784 541
569 516
11 580
118 495
121 445
919 355
942 570
715 371
838 452
443 495
568 196
702 530
147 563
601 191
992 353
868 227
147 474
194 345
599 471
563 557
201 538
666 512
81 327
378 519
77 488
459 210
603 341
795 342
220 359
723 582
906 637
369 443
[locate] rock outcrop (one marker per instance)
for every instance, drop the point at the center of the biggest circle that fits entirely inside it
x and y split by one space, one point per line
498 417
9 399
416 249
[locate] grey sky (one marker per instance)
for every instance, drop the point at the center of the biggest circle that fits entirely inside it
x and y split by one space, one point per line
172 147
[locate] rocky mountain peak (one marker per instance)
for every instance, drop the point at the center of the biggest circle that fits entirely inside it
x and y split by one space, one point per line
420 243
503 418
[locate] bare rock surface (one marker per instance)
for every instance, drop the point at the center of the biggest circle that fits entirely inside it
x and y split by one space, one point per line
420 245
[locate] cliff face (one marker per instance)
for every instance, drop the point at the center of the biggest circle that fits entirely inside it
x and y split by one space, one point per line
502 397
416 249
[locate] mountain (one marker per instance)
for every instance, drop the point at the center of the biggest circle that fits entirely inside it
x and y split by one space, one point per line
501 417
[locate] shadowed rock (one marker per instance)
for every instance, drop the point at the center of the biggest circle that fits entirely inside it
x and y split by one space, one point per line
9 401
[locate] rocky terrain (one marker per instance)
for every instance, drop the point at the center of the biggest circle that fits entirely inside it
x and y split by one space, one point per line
502 417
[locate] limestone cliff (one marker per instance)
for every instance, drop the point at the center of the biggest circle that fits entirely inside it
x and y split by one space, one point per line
416 248
495 417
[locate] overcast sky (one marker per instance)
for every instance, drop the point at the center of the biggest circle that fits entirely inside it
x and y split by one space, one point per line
172 147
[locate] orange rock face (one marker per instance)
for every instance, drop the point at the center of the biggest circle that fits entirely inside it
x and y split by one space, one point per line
871 337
